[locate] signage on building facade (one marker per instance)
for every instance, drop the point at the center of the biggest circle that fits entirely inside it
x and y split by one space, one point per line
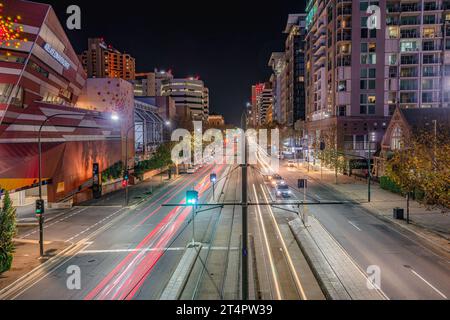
57 56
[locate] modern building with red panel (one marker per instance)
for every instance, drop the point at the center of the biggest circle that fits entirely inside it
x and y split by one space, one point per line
40 77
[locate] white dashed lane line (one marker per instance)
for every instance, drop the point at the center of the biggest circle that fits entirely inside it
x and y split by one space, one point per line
93 226
46 226
429 284
355 226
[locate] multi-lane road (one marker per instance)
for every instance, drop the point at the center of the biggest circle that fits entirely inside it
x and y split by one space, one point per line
409 270
130 255
136 252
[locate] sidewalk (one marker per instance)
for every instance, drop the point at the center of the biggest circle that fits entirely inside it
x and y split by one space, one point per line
26 255
431 225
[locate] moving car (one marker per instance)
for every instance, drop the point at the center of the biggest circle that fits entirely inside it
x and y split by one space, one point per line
277 180
282 191
291 164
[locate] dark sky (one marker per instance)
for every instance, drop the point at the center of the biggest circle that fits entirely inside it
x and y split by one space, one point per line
226 43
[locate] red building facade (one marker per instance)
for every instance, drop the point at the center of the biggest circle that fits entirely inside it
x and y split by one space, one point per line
40 77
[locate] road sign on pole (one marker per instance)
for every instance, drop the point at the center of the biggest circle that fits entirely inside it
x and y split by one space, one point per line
302 183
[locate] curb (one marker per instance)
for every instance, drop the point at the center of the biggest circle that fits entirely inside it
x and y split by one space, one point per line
422 236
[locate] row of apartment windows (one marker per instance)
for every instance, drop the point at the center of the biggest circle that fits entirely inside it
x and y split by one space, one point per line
414 59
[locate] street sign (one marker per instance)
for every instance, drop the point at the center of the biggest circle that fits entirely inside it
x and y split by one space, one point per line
302 183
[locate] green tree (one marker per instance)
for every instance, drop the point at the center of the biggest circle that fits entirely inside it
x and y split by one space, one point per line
7 233
423 164
162 158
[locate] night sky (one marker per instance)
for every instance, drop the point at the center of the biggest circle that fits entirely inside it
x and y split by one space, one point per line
226 43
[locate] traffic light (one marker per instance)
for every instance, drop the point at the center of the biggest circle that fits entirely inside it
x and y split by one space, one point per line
126 175
192 197
40 207
213 177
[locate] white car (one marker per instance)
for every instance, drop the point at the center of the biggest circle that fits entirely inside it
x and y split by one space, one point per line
291 164
191 170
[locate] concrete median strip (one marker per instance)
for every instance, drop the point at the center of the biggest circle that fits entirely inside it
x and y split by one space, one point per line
338 275
179 278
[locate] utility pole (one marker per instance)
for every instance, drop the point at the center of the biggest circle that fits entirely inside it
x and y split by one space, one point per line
245 295
369 172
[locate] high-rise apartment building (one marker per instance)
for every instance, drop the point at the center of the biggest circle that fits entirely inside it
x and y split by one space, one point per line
262 104
417 57
191 97
357 76
345 73
103 61
295 70
266 105
278 81
288 78
257 91
148 84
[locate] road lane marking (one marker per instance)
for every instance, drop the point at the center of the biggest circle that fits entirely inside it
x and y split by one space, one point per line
354 225
266 240
286 252
92 226
46 226
429 284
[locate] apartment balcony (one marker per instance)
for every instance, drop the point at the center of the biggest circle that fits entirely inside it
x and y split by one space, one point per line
345 11
431 6
393 8
409 60
410 21
409 34
410 7
344 37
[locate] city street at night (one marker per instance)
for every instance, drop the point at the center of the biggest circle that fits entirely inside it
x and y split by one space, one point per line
248 161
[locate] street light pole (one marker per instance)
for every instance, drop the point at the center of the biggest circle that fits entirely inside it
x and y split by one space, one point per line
369 172
245 291
43 124
126 162
41 215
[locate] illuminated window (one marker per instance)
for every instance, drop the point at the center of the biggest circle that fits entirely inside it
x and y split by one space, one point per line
396 138
429 33
393 32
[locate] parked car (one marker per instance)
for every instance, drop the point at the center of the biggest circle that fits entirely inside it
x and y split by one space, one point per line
191 170
291 164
